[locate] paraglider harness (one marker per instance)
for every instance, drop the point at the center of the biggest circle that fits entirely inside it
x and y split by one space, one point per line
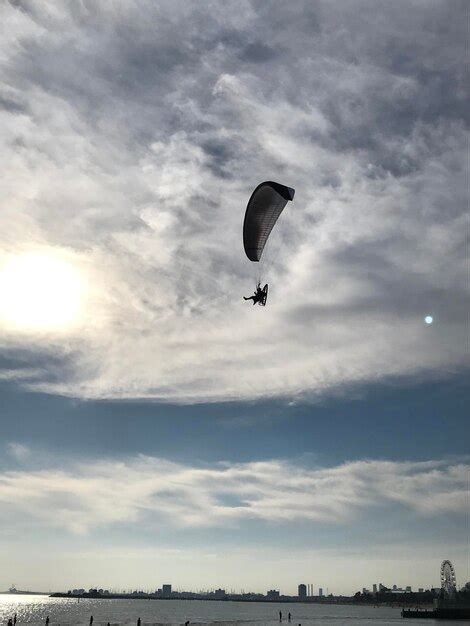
260 295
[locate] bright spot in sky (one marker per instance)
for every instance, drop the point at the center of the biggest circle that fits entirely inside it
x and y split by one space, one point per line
428 319
40 291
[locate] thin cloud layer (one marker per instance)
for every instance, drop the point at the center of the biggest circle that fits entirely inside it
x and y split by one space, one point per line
132 137
150 492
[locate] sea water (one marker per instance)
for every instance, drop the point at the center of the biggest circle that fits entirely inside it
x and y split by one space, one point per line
69 611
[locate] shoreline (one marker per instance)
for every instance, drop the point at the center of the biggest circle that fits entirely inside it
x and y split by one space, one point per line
339 601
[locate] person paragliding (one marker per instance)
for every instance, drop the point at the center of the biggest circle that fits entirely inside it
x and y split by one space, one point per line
260 295
263 210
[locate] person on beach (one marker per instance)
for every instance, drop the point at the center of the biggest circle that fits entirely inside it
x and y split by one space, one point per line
91 620
138 622
14 619
288 617
47 620
280 616
10 623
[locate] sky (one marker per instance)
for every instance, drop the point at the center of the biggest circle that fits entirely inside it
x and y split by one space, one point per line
156 427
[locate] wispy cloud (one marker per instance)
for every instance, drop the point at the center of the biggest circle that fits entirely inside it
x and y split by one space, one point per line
132 137
18 451
146 491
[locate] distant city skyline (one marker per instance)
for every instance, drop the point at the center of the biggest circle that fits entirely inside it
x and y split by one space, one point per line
304 591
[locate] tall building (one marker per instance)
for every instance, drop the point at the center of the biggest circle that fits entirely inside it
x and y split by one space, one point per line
374 588
272 594
166 591
302 591
320 592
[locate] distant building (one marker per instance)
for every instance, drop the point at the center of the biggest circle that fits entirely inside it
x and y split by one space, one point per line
166 591
374 588
421 590
302 591
408 589
272 594
320 592
382 587
220 594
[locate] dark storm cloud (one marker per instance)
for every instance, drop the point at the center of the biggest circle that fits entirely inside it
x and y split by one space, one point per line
221 155
134 135
258 52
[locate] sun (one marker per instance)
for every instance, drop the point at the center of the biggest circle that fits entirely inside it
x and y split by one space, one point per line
40 291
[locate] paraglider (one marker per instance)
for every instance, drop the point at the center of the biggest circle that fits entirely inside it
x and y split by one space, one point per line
260 296
264 208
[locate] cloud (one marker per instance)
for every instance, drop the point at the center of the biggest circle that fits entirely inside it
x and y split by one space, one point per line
131 139
18 451
148 492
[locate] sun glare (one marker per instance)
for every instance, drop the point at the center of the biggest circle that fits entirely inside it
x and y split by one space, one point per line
40 292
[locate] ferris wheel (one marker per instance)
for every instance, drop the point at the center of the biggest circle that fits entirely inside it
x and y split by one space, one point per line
448 581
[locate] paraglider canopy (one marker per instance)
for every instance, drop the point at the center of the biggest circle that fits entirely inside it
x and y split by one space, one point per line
264 207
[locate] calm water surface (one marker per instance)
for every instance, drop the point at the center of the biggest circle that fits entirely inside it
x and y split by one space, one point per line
68 611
